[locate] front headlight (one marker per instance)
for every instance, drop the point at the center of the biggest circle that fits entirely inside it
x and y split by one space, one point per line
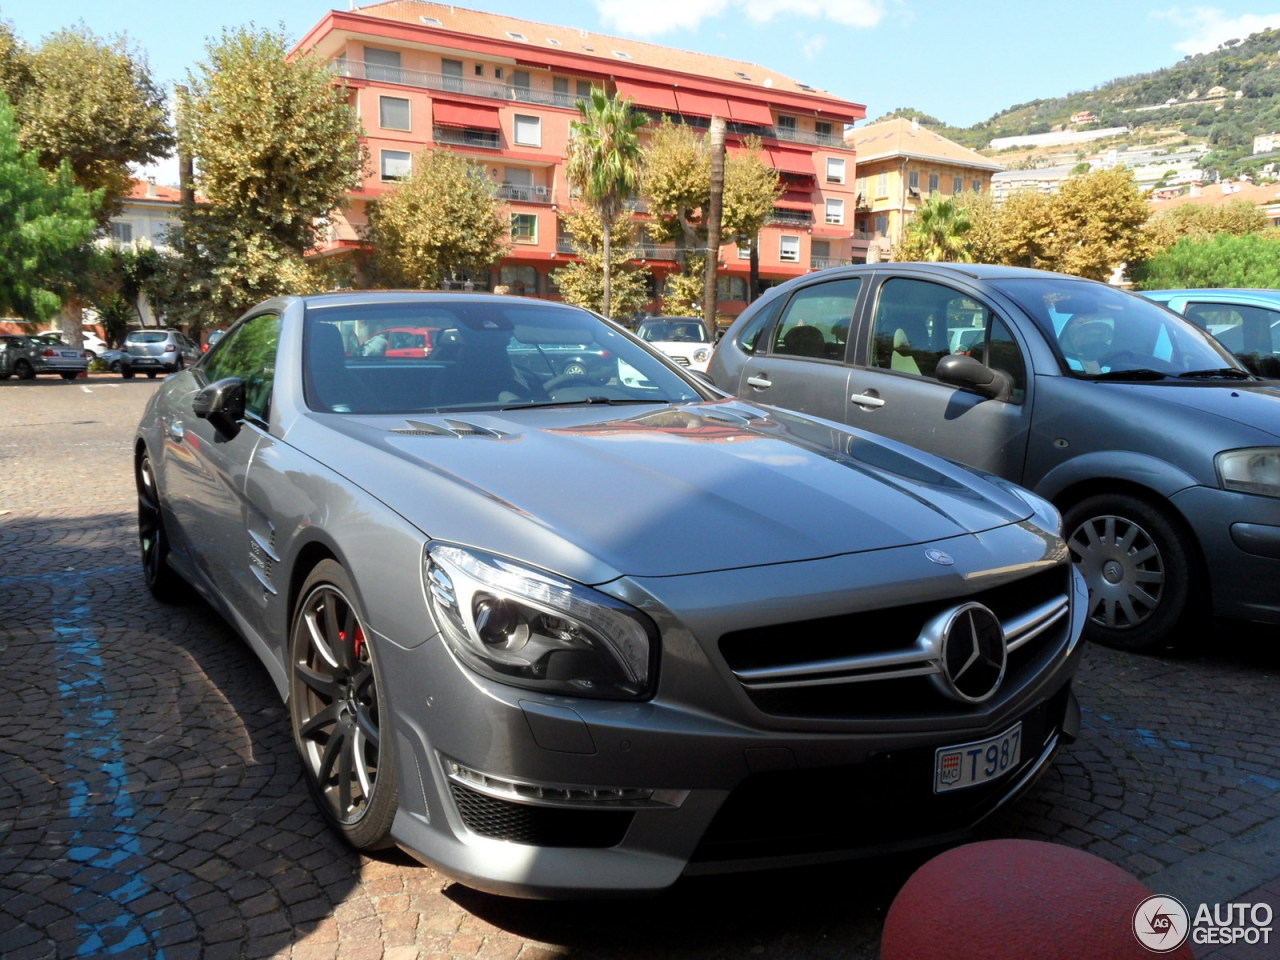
532 629
1251 470
701 355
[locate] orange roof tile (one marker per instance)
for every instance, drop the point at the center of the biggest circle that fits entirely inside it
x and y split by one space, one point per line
899 137
757 81
1218 194
145 190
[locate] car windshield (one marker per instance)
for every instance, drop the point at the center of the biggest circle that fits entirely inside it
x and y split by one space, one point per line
498 353
684 331
152 336
1100 332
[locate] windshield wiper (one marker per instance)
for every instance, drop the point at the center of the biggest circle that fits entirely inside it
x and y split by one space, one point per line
1141 373
1224 373
608 401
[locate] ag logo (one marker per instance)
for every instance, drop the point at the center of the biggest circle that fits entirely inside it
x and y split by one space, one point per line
1161 923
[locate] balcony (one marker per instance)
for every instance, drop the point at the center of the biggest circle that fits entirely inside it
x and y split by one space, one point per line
803 136
523 193
490 89
791 218
459 137
822 263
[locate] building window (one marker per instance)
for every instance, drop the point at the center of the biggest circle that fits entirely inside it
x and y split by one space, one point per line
729 287
393 113
744 249
933 184
819 253
521 84
913 179
957 184
835 211
396 164
520 280
835 170
560 87
528 131
497 73
977 186
121 231
383 65
524 227
584 89
786 123
882 225
882 185
451 74
789 249
479 69
823 130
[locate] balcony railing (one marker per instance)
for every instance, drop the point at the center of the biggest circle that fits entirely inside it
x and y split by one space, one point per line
359 70
797 218
459 137
822 263
524 193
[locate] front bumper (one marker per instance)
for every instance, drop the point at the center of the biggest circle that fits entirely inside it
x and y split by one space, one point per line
144 364
1239 536
565 797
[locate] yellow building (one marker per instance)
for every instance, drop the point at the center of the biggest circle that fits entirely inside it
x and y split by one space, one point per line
900 165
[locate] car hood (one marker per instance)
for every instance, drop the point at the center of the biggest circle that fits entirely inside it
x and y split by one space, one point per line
663 492
1253 404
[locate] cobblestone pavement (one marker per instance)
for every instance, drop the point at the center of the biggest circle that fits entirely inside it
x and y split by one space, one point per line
151 804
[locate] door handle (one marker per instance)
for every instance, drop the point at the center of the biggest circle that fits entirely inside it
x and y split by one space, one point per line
866 400
763 382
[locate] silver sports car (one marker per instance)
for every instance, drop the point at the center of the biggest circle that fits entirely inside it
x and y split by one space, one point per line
561 633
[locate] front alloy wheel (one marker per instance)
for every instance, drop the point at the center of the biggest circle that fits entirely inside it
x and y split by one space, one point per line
336 711
165 585
1134 560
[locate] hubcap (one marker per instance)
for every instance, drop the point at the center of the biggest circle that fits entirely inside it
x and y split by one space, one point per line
1124 570
335 703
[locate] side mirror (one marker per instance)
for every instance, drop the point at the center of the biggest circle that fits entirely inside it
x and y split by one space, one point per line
960 370
222 404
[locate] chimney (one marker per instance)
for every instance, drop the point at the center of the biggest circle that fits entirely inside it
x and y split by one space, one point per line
151 188
915 126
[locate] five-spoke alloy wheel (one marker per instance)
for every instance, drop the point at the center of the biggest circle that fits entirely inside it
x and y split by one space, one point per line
165 585
336 710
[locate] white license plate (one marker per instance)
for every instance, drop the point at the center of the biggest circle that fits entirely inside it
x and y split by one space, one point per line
68 353
970 764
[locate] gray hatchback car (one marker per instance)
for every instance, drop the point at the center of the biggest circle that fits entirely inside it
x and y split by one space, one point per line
157 351
1160 448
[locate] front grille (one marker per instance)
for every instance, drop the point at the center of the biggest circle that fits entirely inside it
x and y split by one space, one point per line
540 826
683 361
885 802
871 665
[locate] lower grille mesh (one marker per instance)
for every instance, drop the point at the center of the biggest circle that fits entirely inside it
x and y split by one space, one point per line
540 826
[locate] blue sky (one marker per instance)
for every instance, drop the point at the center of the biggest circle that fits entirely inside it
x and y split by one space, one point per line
960 62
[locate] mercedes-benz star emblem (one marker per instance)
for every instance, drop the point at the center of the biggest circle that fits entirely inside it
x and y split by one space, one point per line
971 651
938 556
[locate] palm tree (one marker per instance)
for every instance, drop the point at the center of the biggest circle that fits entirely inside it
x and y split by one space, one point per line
937 232
604 161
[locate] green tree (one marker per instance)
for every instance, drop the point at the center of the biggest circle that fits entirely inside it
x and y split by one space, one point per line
44 219
1023 235
90 102
276 148
1097 221
443 219
1223 260
582 282
604 160
937 233
1201 221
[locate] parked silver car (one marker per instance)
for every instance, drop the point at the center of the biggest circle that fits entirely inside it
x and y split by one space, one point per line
1161 450
156 351
683 339
55 355
471 577
18 357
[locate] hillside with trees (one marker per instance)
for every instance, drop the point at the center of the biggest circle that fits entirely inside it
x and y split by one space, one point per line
1224 98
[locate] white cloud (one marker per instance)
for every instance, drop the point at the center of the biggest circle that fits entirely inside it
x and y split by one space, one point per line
1207 28
812 46
648 18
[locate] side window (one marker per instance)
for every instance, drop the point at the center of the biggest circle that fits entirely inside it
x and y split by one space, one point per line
248 351
748 338
916 323
816 322
1004 354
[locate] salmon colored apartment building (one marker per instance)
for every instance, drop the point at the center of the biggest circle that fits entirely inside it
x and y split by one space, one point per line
503 91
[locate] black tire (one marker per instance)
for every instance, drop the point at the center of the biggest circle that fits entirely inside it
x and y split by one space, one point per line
335 710
1137 561
126 372
115 367
153 540
24 370
151 374
70 376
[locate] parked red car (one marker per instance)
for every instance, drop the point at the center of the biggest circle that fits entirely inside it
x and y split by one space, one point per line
400 342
